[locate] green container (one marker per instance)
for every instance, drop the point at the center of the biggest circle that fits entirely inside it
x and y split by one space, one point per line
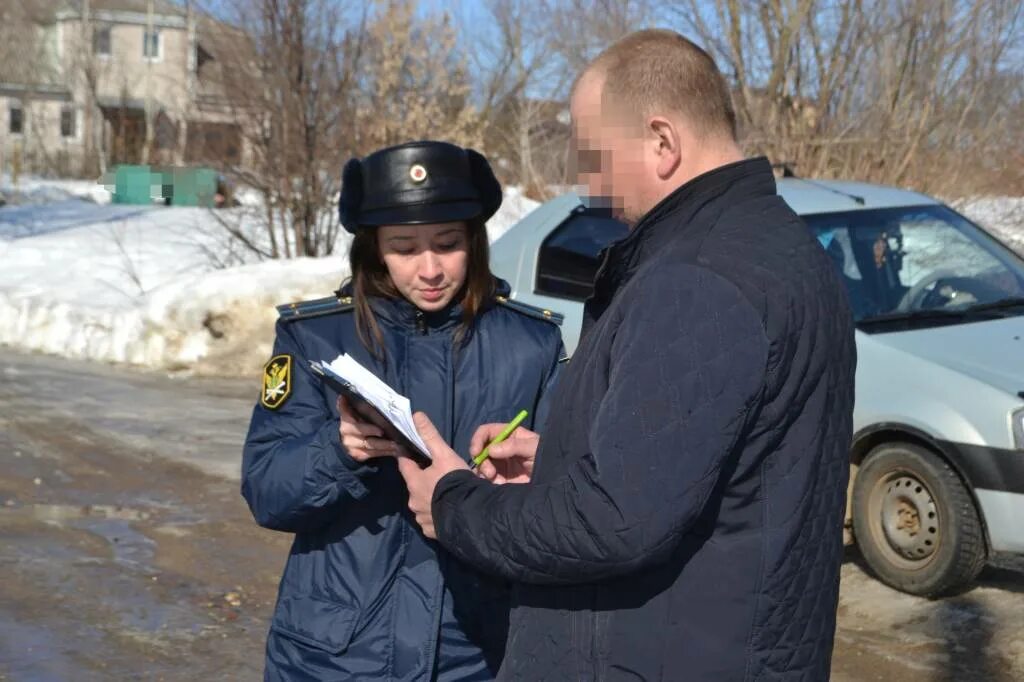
135 185
174 186
194 187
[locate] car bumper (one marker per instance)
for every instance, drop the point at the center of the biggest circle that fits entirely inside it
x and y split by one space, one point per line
1003 513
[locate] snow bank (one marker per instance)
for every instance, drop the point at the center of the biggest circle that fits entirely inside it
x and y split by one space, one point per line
513 207
36 191
167 288
143 285
159 287
1003 216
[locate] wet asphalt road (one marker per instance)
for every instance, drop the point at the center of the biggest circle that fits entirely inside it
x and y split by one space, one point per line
126 552
125 549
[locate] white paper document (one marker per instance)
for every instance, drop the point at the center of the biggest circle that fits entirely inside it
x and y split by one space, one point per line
393 406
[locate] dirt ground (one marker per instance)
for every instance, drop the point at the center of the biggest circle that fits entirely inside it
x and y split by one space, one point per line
127 553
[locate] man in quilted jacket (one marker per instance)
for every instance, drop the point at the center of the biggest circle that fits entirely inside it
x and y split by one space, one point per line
681 517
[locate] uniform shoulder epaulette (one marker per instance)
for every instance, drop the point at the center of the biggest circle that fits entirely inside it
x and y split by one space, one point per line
531 310
315 308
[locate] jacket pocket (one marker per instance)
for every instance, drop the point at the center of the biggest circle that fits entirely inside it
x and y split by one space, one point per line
315 622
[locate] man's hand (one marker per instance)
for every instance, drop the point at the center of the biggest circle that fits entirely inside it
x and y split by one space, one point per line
421 482
510 461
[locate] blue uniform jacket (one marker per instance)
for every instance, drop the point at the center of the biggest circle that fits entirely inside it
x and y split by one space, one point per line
364 595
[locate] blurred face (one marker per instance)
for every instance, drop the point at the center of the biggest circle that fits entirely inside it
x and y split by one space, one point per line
427 263
611 152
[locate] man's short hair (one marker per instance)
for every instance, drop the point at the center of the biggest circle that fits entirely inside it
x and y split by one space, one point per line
656 69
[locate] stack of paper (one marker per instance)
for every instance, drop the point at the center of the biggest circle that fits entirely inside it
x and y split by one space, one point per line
364 384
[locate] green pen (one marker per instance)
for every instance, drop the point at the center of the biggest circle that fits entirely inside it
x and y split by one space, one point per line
505 433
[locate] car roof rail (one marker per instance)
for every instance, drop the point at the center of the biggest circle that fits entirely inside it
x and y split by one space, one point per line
788 172
787 169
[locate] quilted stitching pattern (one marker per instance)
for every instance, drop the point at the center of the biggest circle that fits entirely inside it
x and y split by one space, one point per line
684 522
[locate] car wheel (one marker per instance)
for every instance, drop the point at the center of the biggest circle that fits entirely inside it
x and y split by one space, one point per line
915 522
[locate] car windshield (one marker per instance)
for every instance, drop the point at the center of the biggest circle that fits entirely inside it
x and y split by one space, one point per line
919 265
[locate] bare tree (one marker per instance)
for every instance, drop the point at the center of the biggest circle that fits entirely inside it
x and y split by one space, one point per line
909 92
527 55
415 82
520 81
22 47
25 61
582 28
84 71
313 82
289 73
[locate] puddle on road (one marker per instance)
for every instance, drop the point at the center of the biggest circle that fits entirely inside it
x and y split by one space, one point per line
130 548
121 612
68 512
33 653
139 646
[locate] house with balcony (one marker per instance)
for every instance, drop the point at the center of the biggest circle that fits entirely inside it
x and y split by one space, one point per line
88 84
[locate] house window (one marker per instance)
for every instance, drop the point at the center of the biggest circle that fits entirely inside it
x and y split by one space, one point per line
151 47
67 122
101 41
16 119
201 57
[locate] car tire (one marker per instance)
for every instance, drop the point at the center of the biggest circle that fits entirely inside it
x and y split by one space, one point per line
915 522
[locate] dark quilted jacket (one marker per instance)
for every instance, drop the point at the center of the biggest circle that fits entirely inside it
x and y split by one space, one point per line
365 596
684 518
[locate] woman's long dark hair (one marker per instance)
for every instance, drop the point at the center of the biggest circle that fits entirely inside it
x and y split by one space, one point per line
370 277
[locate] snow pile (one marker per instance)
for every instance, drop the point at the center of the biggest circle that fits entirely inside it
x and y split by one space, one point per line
223 321
160 287
143 285
1003 216
169 288
514 206
36 191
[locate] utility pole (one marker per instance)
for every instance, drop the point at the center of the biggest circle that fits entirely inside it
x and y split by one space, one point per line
149 82
85 52
191 66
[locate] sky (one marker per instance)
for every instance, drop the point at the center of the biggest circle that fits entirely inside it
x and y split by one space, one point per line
470 17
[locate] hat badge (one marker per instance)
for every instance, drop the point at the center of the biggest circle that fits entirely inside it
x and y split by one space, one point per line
417 173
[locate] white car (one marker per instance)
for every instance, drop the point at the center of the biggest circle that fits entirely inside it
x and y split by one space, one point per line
938 451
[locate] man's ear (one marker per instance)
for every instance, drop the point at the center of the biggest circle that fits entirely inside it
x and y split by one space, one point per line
667 144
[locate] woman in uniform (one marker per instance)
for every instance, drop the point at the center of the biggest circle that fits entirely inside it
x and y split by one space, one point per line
364 595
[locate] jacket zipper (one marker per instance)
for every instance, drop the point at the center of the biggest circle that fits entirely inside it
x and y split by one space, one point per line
442 559
605 256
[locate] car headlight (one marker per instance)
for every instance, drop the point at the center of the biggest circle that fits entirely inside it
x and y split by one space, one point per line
1017 421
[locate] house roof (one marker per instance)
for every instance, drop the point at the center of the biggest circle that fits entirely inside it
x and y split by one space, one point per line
163 7
226 47
45 12
37 11
24 45
229 56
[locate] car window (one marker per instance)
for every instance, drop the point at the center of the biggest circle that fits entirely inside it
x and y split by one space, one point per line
930 244
922 258
570 255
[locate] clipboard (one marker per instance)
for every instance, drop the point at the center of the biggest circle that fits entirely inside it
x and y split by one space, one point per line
365 409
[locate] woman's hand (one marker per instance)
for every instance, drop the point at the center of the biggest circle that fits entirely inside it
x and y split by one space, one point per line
362 441
510 461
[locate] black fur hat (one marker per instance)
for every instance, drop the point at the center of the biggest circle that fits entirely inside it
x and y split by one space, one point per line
418 183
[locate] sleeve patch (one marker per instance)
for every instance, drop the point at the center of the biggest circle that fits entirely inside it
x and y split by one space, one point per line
277 381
